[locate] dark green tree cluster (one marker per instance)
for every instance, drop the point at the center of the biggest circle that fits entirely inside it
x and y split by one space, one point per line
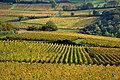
54 4
112 3
49 26
14 1
87 6
96 13
107 25
67 7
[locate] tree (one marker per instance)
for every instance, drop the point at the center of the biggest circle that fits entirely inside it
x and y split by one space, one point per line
106 1
72 13
107 15
49 26
107 25
9 26
112 3
116 18
67 7
97 30
53 3
96 13
85 1
6 27
118 34
111 29
89 5
20 18
107 33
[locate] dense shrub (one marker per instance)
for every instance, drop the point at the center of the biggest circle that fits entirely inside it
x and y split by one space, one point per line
87 6
20 18
96 13
6 26
49 26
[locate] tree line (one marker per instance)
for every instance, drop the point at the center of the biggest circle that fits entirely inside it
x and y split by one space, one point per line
32 0
107 25
90 5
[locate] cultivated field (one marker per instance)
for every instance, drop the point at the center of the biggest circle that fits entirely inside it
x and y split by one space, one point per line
16 70
53 36
72 22
5 6
33 7
64 54
40 52
69 22
26 13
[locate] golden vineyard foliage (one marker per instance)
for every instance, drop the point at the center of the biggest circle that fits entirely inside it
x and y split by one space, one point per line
39 52
53 36
38 71
45 36
106 50
38 55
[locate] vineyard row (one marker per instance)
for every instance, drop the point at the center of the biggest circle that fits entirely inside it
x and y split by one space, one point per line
53 53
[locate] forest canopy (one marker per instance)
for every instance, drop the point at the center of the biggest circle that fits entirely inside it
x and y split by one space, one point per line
107 25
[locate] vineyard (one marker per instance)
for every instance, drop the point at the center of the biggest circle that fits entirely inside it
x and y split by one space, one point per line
37 71
8 6
33 7
26 13
22 6
106 50
40 36
89 40
40 52
5 6
65 54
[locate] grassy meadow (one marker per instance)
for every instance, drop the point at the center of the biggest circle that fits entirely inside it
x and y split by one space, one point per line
63 22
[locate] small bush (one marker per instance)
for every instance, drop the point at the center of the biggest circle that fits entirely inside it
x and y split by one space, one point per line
20 18
31 28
